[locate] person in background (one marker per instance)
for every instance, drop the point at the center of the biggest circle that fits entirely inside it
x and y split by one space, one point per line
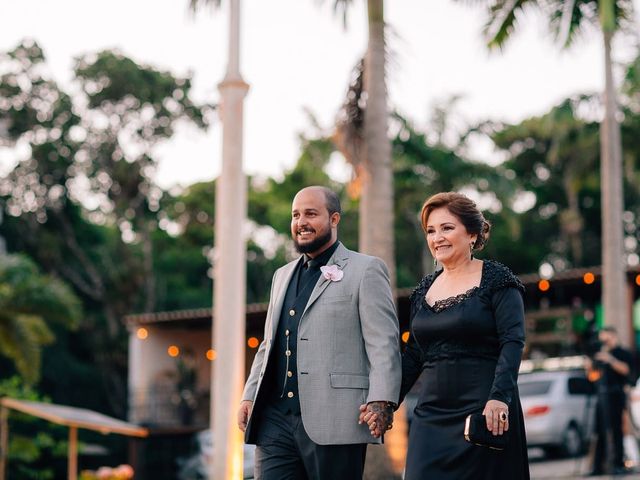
613 365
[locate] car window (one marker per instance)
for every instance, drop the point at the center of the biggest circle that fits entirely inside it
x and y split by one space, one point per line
529 389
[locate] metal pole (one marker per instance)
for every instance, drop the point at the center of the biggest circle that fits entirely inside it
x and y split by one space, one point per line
229 270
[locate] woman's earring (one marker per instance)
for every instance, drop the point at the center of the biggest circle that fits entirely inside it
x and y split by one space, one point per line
471 249
435 263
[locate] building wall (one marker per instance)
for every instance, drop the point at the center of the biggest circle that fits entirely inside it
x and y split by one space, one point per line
160 384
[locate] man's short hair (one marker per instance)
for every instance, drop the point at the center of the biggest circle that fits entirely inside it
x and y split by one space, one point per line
333 201
610 329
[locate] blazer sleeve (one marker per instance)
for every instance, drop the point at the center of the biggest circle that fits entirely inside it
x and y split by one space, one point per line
251 385
380 332
508 308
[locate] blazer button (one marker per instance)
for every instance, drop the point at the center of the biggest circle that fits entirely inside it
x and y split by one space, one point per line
289 374
286 333
290 394
292 312
288 353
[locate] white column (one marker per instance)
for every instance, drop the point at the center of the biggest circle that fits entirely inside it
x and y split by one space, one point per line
229 270
136 365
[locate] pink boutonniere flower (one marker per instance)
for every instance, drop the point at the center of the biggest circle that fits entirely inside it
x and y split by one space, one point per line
332 273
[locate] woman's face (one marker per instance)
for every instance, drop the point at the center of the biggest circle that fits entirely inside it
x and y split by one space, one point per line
447 238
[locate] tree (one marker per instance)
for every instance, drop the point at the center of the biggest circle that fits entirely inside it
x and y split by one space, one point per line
81 201
554 157
567 18
29 303
423 167
362 136
37 449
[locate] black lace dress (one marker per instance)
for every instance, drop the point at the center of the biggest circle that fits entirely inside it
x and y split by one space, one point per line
469 348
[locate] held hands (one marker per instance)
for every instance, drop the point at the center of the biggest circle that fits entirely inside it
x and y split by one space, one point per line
497 415
243 414
378 416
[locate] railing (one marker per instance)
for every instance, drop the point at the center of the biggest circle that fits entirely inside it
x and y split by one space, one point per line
168 407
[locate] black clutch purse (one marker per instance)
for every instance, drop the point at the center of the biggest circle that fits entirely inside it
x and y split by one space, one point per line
475 431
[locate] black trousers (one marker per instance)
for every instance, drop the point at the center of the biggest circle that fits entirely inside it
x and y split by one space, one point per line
284 451
609 420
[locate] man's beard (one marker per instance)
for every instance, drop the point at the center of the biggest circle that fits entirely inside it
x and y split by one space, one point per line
314 245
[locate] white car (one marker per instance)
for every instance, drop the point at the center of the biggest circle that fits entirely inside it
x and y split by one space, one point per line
559 410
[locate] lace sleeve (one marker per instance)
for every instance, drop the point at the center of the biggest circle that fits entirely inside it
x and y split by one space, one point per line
499 276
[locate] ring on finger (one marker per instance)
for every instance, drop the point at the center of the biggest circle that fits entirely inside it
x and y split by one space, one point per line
502 416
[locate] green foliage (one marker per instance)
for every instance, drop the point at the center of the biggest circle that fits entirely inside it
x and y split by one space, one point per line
29 303
555 157
35 446
181 260
83 204
567 18
422 169
270 208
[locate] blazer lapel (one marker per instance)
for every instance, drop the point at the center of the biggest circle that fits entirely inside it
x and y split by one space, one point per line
280 293
340 258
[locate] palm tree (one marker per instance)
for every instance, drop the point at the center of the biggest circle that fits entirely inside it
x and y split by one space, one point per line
29 303
567 18
362 136
376 202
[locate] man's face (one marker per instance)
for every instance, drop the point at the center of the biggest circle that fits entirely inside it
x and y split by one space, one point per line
312 228
608 338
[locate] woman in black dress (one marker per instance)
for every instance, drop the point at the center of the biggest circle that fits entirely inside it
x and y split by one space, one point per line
467 336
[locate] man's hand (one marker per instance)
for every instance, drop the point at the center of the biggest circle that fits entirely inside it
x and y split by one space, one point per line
243 414
618 366
378 416
604 357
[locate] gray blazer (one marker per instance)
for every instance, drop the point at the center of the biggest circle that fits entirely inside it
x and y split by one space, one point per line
352 355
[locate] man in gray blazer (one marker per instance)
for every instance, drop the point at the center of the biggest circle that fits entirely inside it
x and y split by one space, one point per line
330 344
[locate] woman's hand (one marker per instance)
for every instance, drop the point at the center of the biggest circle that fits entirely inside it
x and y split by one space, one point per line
497 415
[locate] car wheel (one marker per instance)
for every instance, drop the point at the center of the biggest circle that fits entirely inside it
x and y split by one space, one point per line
573 443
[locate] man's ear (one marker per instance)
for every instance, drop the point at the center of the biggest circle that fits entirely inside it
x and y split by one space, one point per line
335 219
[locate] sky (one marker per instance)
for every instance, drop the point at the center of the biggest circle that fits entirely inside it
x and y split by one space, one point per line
297 57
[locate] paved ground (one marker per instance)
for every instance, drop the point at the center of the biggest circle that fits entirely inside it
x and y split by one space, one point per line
542 469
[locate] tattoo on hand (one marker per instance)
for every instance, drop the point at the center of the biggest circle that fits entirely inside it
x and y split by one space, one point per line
384 413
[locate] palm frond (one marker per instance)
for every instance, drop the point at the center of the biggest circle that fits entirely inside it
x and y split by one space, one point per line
625 16
21 339
502 20
349 134
194 5
340 7
569 19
